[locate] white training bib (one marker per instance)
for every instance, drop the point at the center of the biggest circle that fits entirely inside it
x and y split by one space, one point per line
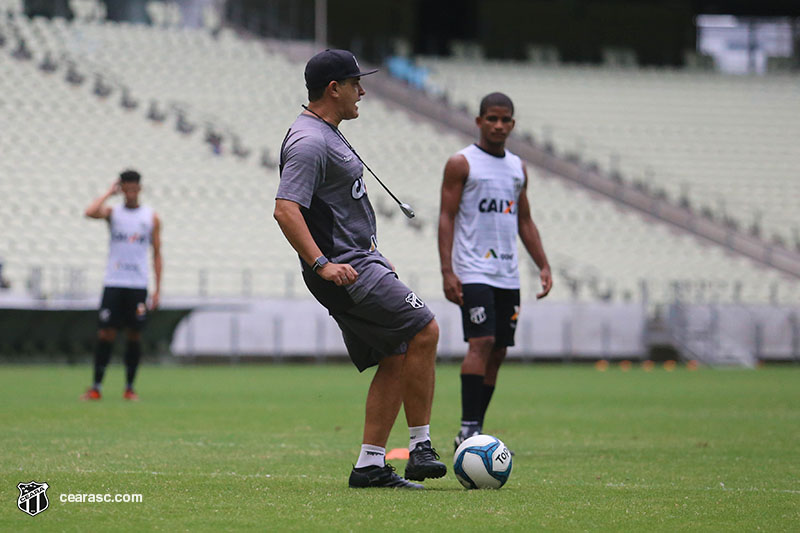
485 237
131 234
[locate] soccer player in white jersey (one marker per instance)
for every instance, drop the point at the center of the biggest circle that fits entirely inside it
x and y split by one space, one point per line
133 229
484 206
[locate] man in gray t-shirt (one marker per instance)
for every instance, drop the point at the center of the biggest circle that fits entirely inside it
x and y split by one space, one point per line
321 174
323 210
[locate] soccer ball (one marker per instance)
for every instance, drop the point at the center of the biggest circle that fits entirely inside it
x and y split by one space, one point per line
482 462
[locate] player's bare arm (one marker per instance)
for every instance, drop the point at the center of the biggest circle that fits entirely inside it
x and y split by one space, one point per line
157 261
529 234
296 231
98 209
455 175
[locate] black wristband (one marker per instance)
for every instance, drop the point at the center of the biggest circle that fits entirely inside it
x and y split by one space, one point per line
319 262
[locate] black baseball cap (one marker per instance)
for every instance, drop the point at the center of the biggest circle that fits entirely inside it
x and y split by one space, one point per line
331 65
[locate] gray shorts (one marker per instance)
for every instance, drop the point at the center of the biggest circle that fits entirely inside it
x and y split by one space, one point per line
381 324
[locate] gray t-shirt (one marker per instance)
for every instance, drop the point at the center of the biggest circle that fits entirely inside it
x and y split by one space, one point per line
322 174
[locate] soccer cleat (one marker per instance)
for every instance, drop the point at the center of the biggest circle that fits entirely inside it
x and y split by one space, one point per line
91 394
376 476
423 463
461 437
130 395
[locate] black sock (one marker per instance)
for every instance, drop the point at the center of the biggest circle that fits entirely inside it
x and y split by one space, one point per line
471 395
488 390
133 352
102 355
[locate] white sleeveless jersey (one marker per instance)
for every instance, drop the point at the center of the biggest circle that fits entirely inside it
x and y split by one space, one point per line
131 234
485 237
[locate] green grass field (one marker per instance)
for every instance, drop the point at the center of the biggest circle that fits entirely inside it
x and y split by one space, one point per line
270 448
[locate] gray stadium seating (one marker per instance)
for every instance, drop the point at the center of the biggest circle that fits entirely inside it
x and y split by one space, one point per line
63 145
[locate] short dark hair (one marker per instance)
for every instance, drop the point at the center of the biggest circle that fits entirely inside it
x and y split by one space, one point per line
496 100
130 176
316 93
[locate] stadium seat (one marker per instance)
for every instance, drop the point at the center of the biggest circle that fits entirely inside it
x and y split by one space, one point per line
219 236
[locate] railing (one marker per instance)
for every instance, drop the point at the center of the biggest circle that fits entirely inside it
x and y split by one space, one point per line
290 328
735 334
47 281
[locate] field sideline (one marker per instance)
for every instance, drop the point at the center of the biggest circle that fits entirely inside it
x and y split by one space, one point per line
270 448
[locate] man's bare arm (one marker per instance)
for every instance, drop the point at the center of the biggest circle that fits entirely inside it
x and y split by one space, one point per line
532 241
158 261
296 231
98 209
455 175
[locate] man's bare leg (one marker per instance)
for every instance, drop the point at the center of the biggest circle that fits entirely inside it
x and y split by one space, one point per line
383 400
419 375
403 379
383 403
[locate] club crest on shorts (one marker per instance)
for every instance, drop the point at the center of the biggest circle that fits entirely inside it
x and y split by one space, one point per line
477 315
414 301
32 497
105 315
141 310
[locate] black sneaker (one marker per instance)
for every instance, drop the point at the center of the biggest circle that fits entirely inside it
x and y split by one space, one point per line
461 437
423 463
376 476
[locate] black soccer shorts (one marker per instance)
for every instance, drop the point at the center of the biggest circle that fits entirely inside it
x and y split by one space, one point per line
490 312
123 307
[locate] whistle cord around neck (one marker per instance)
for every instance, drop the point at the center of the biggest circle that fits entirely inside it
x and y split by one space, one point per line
405 208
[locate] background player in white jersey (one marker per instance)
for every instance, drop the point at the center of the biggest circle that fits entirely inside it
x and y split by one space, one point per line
484 206
133 229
